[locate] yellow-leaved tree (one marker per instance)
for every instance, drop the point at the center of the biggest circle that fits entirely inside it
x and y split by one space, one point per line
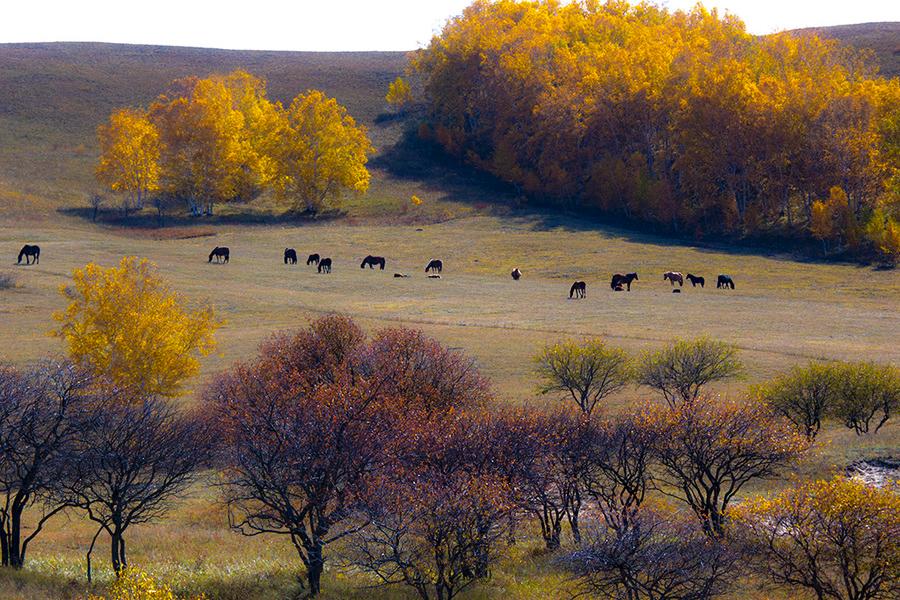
821 223
124 323
206 156
399 93
321 152
129 156
884 234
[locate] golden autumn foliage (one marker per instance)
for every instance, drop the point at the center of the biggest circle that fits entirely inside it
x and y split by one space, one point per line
129 156
135 584
220 139
837 538
884 233
321 153
125 324
677 118
399 93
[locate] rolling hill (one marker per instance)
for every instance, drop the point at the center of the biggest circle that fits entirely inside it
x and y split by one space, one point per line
53 96
882 38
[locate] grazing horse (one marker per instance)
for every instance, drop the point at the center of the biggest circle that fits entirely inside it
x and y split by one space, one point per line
370 261
221 254
724 282
578 290
29 252
619 279
290 256
312 260
516 274
435 266
324 265
695 281
674 276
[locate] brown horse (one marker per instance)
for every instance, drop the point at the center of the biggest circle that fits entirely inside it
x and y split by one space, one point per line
724 282
324 265
435 266
371 261
221 254
695 281
619 279
516 274
29 252
290 256
674 276
313 259
578 290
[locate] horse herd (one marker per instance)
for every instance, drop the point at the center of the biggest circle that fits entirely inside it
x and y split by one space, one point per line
619 282
622 282
222 254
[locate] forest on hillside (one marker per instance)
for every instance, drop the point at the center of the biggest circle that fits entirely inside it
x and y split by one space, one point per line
682 120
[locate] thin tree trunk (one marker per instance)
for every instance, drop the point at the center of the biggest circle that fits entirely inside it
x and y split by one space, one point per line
90 551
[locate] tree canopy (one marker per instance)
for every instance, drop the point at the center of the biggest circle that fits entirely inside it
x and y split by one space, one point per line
682 119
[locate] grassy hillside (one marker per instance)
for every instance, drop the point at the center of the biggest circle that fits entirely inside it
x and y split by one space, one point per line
882 38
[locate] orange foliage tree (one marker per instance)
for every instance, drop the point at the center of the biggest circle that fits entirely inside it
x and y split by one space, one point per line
221 139
677 118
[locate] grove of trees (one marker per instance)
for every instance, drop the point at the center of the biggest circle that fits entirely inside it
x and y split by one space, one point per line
220 139
681 119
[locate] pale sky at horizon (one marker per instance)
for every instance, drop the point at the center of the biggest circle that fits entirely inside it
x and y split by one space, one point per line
347 25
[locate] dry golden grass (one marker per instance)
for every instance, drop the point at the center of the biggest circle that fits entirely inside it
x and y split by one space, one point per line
781 313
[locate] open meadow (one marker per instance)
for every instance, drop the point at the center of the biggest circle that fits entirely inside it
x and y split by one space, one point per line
783 312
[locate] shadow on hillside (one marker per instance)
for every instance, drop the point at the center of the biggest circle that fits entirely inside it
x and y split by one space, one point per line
414 159
148 220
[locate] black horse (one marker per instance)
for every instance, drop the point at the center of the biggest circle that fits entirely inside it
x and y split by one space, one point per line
29 252
371 261
312 260
578 290
695 281
724 282
516 274
325 265
290 256
435 266
619 279
221 254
